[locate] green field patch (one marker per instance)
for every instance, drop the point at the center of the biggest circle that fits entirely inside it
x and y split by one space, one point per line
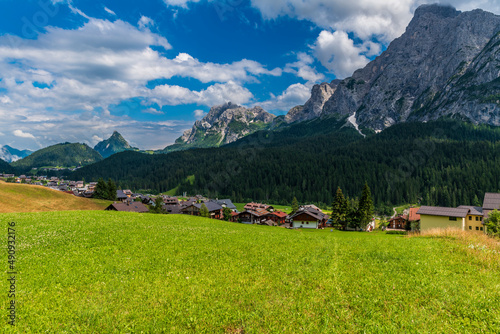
104 272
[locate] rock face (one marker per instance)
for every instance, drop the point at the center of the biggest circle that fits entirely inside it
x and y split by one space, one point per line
10 154
114 144
314 106
447 63
225 124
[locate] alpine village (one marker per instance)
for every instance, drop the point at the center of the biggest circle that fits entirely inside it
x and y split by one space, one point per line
374 207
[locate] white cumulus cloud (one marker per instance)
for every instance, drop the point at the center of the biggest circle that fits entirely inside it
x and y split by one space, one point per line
199 114
213 95
20 133
303 69
337 52
296 94
145 22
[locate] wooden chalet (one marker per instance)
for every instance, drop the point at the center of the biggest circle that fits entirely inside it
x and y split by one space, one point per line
168 200
255 216
279 217
226 203
307 217
128 207
398 222
214 209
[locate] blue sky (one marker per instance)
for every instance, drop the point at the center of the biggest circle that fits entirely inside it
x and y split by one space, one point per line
78 70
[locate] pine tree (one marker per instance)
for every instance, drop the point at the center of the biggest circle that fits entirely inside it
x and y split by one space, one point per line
475 201
340 209
100 190
365 210
111 190
295 205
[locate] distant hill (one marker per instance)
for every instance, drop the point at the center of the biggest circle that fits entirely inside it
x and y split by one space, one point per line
6 168
16 197
11 154
114 144
60 155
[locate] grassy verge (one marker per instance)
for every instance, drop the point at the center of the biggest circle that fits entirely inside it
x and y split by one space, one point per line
106 272
16 197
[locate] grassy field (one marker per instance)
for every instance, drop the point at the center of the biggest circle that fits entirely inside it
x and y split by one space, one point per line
15 197
111 272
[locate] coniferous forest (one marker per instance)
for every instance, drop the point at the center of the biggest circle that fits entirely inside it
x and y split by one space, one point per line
446 163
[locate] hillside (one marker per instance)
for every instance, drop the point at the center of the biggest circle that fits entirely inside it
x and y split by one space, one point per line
223 124
28 198
117 271
114 144
430 162
60 155
6 168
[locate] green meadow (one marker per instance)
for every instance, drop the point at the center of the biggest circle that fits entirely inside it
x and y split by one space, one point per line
110 272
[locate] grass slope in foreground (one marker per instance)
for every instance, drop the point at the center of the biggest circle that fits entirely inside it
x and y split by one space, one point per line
104 272
16 197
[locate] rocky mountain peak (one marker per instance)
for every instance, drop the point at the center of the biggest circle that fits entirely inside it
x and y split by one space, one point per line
418 76
225 124
114 144
314 106
443 11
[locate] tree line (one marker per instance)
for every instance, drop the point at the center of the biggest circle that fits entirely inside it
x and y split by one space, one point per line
352 213
446 163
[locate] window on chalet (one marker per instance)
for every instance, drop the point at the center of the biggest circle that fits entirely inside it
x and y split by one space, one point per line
453 218
477 228
470 217
477 218
480 219
470 227
481 228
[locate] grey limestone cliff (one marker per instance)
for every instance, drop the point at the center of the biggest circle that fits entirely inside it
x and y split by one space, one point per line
446 64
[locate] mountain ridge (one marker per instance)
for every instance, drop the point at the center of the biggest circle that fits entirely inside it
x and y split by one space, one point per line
60 155
223 124
423 74
10 154
114 144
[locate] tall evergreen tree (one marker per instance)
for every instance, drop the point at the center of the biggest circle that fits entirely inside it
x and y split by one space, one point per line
365 210
340 209
100 190
111 190
475 201
295 205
